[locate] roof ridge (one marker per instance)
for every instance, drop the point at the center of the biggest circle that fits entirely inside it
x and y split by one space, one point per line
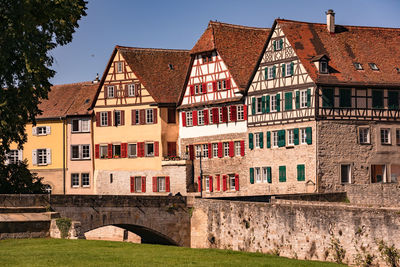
352 26
151 49
211 22
63 84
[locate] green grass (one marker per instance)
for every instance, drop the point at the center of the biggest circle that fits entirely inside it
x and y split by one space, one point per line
60 252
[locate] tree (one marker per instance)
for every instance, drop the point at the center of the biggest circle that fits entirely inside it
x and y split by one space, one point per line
29 29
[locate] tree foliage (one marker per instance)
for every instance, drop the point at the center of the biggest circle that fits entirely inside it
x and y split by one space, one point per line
29 30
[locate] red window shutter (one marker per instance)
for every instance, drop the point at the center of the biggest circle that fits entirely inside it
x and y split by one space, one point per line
126 90
143 184
192 90
209 150
109 151
155 115
228 84
204 87
109 118
124 147
233 113
97 119
218 182
220 152
224 114
231 149
194 114
122 117
191 152
211 183
215 115
133 114
138 89
97 151
154 184
206 117
199 183
245 112
140 149
142 116
242 148
167 184
224 182
183 118
156 149
215 88
237 182
132 184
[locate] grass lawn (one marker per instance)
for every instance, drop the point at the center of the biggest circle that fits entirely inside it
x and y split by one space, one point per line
59 252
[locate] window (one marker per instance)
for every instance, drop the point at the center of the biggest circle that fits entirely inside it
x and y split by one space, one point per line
240 113
215 150
189 119
290 137
75 179
149 147
385 136
257 139
207 58
116 151
197 89
132 150
377 99
103 152
149 116
41 157
303 99
397 136
264 174
104 118
161 184
345 98
328 97
110 91
226 149
373 66
270 73
82 125
278 44
282 173
85 151
171 115
200 117
119 67
345 173
137 116
205 150
210 114
48 188
358 66
221 115
41 130
301 172
85 126
323 67
12 157
303 135
237 148
275 138
207 181
378 173
363 134
273 103
138 184
85 179
75 152
75 126
393 100
221 85
198 150
258 175
117 117
232 182
131 90
289 69
259 105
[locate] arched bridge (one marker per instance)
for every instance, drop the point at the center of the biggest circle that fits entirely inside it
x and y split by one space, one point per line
157 220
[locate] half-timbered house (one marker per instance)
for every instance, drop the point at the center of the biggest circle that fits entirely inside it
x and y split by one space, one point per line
136 128
324 108
213 116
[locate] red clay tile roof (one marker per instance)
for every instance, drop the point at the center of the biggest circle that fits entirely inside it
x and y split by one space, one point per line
152 67
349 44
238 46
68 100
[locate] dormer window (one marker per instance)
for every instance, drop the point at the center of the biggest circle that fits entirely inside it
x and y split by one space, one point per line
207 58
358 66
323 66
373 66
321 62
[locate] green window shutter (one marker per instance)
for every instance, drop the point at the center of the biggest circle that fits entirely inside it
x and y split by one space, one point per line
328 97
345 98
377 99
291 68
268 102
266 73
274 45
251 145
261 139
283 70
253 106
281 43
281 138
282 173
269 175
301 172
296 136
309 135
263 104
288 100
252 175
308 97
268 139
297 99
273 72
278 102
393 99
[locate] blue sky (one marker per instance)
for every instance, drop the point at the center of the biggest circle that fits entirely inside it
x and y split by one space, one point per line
179 23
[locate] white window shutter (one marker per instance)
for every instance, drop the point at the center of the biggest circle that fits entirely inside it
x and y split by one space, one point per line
48 129
34 132
20 155
34 157
80 151
7 161
48 156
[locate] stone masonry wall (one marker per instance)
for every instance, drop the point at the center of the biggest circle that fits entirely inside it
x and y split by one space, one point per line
294 229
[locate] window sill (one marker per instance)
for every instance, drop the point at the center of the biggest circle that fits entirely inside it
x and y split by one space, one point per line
75 186
86 186
386 144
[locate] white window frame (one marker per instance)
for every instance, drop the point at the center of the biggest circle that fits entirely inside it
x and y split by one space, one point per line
130 150
110 91
146 148
275 139
149 116
288 67
74 180
364 135
264 174
197 149
204 150
102 149
278 45
226 149
78 121
215 150
258 105
270 73
220 114
119 67
303 136
41 130
240 112
104 118
200 117
210 116
257 174
85 126
323 66
83 149
72 152
207 182
349 173
117 118
290 137
232 182
189 118
385 136
273 103
138 184
257 140
83 182
197 89
303 99
131 89
13 156
161 184
41 156
237 148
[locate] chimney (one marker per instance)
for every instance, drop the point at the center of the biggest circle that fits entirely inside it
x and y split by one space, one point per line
330 21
